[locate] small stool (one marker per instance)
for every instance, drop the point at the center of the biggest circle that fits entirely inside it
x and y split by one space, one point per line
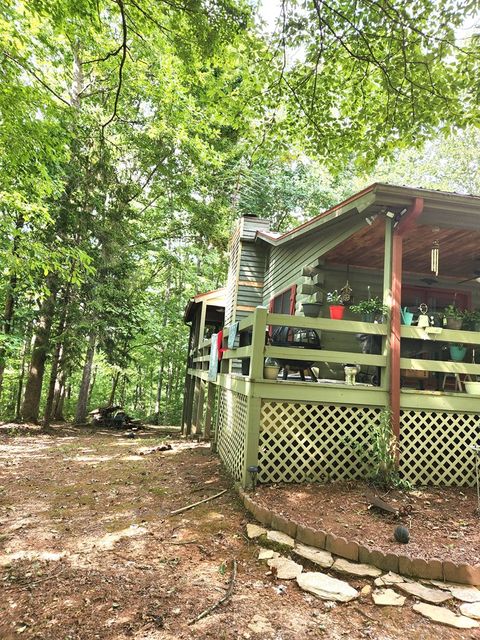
458 382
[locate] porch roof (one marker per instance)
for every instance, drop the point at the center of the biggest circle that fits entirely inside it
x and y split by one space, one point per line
451 218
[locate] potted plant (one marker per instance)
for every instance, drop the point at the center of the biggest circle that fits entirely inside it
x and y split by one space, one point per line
471 320
457 352
311 309
271 369
453 317
335 301
371 310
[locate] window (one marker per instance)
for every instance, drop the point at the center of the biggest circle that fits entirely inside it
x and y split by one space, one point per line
284 302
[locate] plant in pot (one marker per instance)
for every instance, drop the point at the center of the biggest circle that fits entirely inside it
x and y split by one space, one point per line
471 320
311 309
457 352
371 310
271 369
334 299
453 317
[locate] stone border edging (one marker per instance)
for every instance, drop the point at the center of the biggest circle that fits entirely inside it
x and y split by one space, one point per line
434 569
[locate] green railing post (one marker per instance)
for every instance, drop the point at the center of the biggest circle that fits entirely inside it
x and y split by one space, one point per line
252 427
258 342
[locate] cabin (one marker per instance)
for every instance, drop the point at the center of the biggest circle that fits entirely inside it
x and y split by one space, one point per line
417 252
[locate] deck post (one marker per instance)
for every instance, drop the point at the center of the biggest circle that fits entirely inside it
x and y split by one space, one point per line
200 409
406 222
254 405
387 301
209 410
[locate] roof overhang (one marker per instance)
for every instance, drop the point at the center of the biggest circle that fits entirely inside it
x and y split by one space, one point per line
215 298
442 209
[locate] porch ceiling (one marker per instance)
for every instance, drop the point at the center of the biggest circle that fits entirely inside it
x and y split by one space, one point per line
459 250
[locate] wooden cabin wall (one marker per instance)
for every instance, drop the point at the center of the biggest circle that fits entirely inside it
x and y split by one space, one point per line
246 269
335 277
286 262
250 279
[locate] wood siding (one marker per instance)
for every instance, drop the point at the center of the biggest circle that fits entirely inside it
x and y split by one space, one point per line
286 262
247 266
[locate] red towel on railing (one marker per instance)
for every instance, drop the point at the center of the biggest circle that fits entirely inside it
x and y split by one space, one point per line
220 349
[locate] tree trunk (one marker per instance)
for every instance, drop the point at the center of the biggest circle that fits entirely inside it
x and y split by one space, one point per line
82 402
33 390
57 357
58 415
158 399
9 302
7 324
94 377
59 397
27 345
115 380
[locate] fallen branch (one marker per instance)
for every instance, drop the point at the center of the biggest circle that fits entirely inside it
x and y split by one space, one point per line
226 597
27 585
190 506
180 542
162 447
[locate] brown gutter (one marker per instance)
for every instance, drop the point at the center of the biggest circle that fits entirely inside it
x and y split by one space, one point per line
406 223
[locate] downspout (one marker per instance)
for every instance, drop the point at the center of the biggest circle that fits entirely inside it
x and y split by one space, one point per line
406 223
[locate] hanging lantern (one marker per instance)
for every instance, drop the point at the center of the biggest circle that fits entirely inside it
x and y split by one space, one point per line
434 257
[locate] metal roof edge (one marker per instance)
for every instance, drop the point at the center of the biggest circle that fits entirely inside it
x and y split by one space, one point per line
321 218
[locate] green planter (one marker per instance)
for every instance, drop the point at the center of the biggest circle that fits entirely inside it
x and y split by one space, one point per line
457 353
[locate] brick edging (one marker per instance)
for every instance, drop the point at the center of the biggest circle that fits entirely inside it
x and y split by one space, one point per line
434 569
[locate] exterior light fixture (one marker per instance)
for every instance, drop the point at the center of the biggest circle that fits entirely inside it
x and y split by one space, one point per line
253 475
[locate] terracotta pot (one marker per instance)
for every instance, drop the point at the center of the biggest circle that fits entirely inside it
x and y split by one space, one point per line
270 372
337 311
454 323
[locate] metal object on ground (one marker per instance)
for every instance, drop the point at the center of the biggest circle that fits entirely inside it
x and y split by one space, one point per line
253 471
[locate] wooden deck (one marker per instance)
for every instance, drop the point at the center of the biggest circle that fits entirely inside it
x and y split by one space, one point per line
302 431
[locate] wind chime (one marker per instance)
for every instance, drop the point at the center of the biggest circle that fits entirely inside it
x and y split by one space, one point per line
435 254
346 291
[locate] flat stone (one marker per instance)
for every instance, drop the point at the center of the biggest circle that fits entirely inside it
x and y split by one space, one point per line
471 609
255 531
286 569
355 569
281 538
465 593
319 556
445 616
326 587
389 579
436 596
267 554
388 598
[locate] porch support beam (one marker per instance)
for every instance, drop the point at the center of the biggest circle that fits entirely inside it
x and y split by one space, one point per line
387 300
406 223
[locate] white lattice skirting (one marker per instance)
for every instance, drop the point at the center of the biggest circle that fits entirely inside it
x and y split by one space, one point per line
231 431
314 443
434 447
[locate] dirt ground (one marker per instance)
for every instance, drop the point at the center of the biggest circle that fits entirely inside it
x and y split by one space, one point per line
443 522
88 549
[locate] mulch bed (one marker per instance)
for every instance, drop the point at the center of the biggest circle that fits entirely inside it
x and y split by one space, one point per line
442 524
